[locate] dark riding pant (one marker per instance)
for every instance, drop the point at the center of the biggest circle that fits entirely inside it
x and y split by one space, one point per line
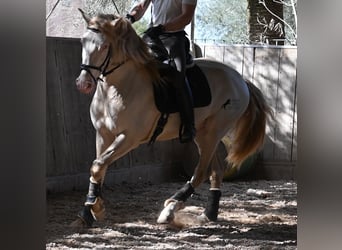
178 47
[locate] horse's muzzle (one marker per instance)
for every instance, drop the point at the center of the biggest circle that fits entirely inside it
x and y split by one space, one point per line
84 86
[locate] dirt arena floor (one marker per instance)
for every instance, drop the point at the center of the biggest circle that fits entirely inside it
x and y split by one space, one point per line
252 215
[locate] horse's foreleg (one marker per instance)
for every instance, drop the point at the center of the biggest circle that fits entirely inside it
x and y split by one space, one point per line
93 207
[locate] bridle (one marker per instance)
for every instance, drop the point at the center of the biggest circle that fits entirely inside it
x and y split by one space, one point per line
104 65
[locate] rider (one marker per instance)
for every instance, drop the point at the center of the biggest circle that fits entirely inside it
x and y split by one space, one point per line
168 20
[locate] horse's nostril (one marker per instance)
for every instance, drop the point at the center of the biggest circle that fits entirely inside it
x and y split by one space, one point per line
78 81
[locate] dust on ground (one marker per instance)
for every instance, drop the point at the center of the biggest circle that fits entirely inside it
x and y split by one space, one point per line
252 215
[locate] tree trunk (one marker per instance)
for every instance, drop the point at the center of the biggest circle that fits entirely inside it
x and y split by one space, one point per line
265 22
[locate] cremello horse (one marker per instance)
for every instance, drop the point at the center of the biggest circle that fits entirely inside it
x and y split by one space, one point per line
117 62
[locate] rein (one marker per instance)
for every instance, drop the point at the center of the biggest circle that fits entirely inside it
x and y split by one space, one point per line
102 68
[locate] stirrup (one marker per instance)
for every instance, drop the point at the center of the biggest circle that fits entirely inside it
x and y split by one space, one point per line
188 136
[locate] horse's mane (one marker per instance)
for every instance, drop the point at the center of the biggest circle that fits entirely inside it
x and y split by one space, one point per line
127 44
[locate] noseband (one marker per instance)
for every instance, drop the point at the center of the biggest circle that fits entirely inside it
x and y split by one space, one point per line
102 68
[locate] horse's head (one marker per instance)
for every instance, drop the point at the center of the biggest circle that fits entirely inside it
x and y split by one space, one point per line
96 51
109 41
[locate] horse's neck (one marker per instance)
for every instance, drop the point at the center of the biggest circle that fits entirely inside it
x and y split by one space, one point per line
128 80
122 95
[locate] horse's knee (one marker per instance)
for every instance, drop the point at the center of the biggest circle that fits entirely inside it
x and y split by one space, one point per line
97 172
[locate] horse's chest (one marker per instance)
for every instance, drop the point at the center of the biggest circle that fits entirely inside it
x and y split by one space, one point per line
105 109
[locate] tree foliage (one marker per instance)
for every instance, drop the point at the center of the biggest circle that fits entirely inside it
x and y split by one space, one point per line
225 21
119 7
216 21
222 20
107 6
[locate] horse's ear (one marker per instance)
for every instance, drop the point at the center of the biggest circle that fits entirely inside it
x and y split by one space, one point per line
121 25
116 27
85 16
106 28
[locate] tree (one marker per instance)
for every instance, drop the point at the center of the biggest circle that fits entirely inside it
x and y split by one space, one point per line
120 7
272 21
222 20
64 20
107 6
246 22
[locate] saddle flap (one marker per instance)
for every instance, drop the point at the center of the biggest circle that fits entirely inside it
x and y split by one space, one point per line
165 93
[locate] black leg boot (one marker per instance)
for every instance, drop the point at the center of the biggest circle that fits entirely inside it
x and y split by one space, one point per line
187 129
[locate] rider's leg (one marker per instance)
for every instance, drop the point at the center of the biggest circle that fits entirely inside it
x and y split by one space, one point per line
188 131
176 46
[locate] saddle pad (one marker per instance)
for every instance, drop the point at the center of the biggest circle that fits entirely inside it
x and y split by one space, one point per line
165 93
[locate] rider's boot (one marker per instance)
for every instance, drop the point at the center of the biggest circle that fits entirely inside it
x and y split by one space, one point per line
187 130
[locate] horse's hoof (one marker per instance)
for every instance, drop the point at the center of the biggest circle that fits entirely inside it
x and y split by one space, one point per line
78 224
203 219
166 216
168 213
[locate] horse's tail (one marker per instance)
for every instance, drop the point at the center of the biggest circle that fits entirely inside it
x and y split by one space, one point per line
250 129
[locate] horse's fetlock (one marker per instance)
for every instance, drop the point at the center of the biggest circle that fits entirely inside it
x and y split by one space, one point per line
98 209
168 201
184 193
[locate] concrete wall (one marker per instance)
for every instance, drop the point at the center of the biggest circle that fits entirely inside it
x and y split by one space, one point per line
71 137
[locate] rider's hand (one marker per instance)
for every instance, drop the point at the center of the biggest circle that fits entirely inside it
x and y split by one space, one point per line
130 18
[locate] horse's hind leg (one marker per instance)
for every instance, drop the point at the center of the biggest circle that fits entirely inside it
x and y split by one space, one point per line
207 139
214 195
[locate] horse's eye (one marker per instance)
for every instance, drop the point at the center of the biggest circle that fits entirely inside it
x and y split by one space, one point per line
93 29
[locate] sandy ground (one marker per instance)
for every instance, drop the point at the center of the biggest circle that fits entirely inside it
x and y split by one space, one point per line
253 215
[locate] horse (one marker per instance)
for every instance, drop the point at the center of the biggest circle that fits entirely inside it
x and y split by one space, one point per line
119 68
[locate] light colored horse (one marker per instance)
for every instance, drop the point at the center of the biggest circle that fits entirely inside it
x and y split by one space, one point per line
117 62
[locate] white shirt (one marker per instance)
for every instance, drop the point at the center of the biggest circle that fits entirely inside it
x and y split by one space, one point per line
165 10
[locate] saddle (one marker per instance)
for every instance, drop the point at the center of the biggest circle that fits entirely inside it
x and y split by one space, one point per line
165 92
